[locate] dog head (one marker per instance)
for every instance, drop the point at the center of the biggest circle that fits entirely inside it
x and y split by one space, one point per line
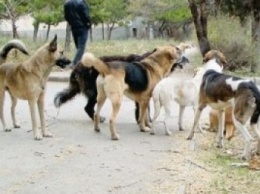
180 64
215 59
56 54
166 57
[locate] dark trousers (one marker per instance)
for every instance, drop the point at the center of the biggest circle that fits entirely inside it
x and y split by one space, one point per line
80 37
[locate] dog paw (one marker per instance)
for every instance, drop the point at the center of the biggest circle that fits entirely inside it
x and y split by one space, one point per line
245 157
17 126
47 134
97 129
38 137
115 137
146 129
219 145
8 130
168 133
102 119
190 137
181 129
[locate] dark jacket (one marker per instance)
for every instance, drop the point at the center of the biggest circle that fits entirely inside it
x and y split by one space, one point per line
76 13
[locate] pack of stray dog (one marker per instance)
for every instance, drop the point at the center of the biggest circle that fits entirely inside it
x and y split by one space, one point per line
139 77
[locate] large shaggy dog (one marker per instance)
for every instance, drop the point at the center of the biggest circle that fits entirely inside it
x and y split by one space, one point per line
83 80
135 80
27 81
221 91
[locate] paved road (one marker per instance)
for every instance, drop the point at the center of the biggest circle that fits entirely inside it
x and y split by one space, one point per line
78 160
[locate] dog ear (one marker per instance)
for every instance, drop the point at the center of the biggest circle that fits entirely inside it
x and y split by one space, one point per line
53 44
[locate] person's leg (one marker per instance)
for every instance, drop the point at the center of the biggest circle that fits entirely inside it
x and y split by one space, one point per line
80 42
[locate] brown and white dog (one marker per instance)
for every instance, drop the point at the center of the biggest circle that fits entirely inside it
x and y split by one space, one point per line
229 124
220 91
135 80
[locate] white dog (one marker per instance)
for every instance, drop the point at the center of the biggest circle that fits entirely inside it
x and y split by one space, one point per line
184 92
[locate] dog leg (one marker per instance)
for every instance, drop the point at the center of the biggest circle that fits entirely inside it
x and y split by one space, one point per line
143 115
89 108
167 118
37 134
2 97
247 137
256 130
229 131
101 98
157 108
40 104
181 111
116 100
196 121
221 125
199 124
14 103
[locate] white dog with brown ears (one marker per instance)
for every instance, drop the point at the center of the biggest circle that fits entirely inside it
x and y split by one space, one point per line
184 92
220 91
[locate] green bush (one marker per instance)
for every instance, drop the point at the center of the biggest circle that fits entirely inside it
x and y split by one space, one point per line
227 35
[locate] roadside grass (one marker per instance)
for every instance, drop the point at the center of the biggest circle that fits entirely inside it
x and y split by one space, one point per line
227 177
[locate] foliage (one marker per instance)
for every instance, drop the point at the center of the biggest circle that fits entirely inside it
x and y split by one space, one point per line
164 10
13 8
49 12
227 35
239 8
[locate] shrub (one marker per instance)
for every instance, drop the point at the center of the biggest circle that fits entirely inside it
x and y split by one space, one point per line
227 35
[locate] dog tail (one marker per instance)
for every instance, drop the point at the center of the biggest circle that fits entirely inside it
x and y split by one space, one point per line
89 60
68 93
12 44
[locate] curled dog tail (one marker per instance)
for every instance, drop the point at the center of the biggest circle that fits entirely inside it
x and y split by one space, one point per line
12 44
68 93
89 60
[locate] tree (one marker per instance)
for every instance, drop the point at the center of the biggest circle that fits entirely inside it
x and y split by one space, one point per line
165 16
199 13
115 13
97 14
13 10
48 12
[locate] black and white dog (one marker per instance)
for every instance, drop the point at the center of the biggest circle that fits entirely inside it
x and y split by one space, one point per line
220 91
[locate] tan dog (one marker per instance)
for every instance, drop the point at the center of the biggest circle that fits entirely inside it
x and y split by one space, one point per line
229 124
135 80
27 81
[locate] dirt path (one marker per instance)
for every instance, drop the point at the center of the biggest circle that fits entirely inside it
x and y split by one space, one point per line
78 160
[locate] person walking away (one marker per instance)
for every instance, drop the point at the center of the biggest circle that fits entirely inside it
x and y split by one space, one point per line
76 13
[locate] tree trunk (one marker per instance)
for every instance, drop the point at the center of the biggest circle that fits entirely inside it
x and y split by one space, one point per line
255 67
103 31
14 28
68 38
48 32
199 14
109 30
35 31
91 34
